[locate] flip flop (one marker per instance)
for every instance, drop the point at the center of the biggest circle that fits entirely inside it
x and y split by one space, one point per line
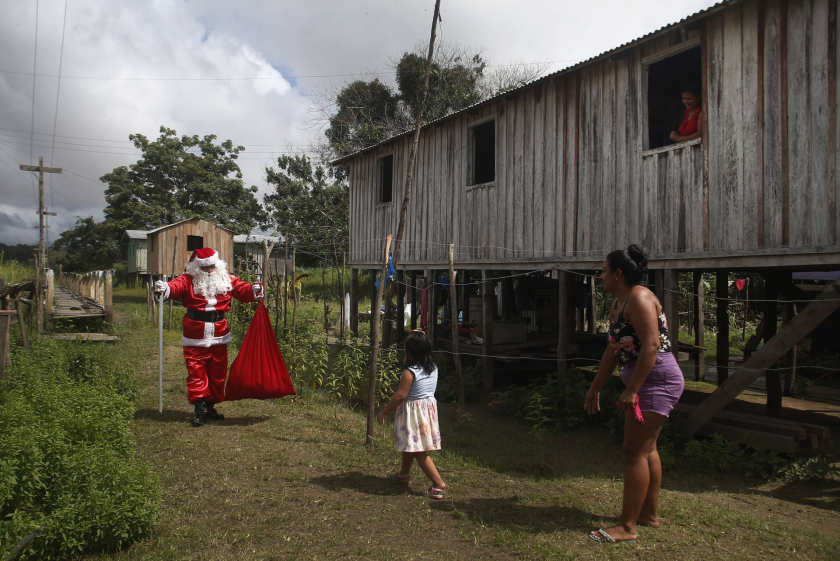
606 538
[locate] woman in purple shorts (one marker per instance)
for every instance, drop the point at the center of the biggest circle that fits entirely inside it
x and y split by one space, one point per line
639 344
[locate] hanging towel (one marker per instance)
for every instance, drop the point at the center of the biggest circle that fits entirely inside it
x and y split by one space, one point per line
740 284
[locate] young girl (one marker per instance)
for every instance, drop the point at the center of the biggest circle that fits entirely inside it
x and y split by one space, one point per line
416 424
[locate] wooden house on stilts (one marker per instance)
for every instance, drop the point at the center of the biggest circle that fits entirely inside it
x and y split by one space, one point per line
555 174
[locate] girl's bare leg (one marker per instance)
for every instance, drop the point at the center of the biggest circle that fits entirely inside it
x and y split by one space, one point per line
407 460
428 467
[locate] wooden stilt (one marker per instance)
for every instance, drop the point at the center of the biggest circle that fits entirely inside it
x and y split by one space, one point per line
671 306
771 308
699 326
488 307
565 320
399 316
722 295
354 302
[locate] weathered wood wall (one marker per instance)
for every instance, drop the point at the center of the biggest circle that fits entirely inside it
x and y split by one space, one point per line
573 180
162 243
137 257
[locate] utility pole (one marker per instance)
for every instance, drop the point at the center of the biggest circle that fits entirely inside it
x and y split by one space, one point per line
39 267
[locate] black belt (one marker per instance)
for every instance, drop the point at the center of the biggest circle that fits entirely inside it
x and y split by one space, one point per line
209 317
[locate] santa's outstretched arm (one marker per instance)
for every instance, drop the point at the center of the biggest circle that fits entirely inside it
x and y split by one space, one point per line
175 289
245 291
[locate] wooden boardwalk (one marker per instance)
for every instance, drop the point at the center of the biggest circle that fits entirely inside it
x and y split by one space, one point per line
68 304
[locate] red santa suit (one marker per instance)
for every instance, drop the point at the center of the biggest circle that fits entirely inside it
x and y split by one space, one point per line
206 331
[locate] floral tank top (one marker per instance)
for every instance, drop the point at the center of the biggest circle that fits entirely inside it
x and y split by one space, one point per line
625 342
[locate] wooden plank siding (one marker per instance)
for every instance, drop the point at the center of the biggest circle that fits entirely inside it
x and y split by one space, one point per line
573 180
162 243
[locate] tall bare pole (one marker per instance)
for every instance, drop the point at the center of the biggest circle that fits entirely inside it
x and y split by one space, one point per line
400 230
41 261
453 299
374 338
413 155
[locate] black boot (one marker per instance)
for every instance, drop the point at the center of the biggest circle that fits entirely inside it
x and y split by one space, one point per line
200 413
212 414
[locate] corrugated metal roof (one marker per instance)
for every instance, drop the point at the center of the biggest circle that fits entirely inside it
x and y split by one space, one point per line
254 238
702 13
136 234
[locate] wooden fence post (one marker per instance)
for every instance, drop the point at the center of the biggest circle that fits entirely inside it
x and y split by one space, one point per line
5 358
699 327
488 305
50 297
109 299
22 324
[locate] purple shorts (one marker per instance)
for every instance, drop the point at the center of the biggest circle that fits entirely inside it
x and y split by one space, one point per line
663 386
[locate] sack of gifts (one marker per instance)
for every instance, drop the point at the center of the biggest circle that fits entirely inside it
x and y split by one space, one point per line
259 371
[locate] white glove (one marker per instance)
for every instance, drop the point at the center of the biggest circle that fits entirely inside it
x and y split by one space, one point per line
162 287
259 292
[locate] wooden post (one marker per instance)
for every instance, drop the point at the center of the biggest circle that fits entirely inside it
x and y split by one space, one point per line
746 311
814 313
415 303
50 296
722 296
432 308
343 297
5 354
172 276
488 305
771 377
324 296
400 313
37 300
21 323
286 287
592 306
671 304
374 336
374 311
699 327
109 300
294 308
453 300
354 301
564 319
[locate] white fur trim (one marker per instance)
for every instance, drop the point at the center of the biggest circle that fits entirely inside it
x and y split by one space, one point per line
206 342
211 304
212 260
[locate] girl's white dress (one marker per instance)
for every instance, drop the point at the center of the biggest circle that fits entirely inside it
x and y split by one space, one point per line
416 422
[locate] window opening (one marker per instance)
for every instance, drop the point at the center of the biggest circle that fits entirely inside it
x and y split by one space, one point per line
195 242
482 153
666 81
385 173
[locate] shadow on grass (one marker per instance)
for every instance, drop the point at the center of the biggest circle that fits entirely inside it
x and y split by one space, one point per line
176 416
129 298
362 483
509 513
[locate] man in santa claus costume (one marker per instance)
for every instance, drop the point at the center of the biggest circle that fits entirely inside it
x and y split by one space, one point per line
206 291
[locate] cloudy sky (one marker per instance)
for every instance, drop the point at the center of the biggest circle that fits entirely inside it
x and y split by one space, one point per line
242 70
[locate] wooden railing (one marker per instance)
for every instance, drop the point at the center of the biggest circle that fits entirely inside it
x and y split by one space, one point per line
96 287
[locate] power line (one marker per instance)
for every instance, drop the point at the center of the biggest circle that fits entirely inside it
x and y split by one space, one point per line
257 78
109 140
32 123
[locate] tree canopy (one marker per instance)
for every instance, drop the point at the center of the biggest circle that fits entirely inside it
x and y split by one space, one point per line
307 206
89 246
172 182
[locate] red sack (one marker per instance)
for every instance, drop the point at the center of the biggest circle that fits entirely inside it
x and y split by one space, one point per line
258 371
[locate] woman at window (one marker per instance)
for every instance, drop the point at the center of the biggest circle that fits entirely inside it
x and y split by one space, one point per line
692 125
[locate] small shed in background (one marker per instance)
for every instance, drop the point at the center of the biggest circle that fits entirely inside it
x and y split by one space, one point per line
249 252
169 247
137 255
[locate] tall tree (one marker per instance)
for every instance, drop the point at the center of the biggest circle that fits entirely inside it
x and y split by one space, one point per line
307 205
180 178
89 246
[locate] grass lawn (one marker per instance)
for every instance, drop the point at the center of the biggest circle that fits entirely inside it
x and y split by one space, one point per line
291 479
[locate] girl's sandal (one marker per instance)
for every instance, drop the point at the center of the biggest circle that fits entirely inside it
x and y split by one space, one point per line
400 477
433 493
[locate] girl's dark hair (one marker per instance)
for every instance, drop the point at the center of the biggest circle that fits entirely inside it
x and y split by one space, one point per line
418 348
633 263
694 90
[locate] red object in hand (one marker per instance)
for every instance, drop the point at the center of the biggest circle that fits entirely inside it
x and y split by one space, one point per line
637 411
259 371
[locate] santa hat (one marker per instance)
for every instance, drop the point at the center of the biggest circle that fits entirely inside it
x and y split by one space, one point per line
204 257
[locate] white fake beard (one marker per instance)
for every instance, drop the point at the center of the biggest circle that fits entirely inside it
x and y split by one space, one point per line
213 283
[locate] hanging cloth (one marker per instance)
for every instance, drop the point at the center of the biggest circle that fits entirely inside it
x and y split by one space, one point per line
740 284
391 272
259 371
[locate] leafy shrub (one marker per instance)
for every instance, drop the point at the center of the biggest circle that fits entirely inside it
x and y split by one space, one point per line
447 387
714 454
66 454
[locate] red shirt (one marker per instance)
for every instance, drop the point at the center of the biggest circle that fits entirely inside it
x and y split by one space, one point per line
689 126
205 334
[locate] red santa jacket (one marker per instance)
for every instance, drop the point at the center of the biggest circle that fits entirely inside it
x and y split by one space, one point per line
205 334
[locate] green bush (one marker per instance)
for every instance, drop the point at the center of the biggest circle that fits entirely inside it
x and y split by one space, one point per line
66 454
447 387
